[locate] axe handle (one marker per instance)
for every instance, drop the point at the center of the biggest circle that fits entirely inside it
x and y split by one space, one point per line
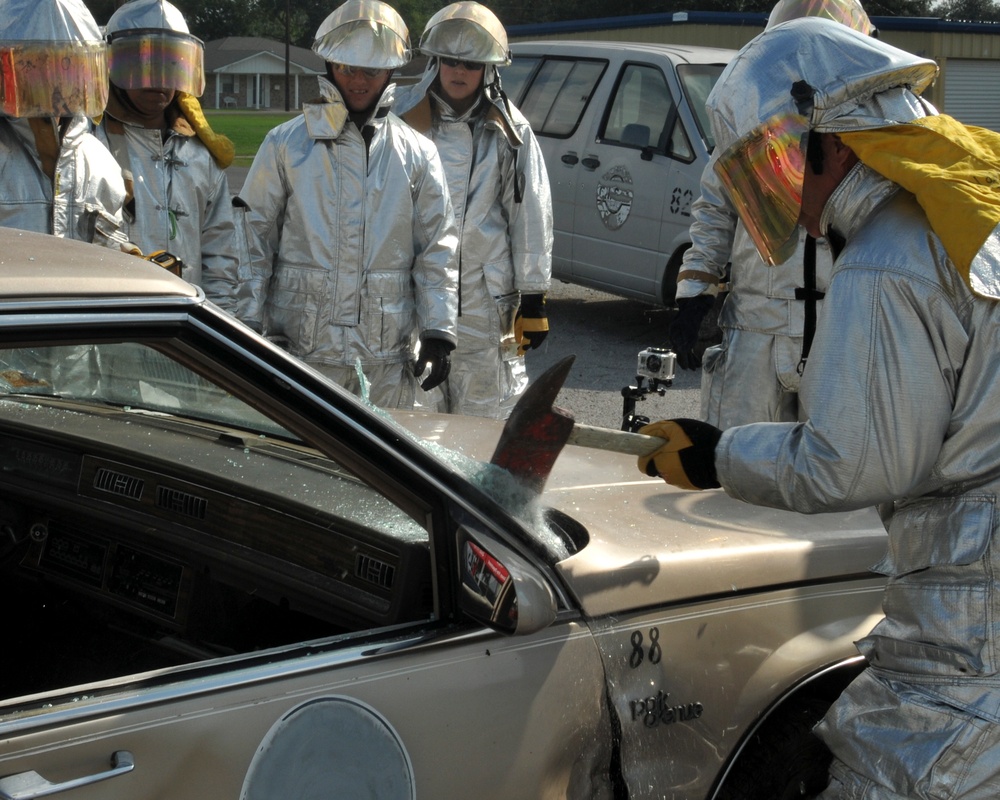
636 444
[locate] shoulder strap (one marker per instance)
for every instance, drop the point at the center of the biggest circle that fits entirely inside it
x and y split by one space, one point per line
811 296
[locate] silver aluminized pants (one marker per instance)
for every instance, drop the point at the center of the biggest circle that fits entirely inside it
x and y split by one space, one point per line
928 749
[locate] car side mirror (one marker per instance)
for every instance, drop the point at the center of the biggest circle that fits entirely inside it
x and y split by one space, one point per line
500 588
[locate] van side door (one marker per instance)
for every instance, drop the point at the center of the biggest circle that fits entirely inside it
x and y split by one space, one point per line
556 103
636 158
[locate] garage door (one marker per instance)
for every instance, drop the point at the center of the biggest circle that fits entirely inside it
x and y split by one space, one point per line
972 91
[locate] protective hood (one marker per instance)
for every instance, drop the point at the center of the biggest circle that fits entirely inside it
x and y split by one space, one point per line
364 33
53 60
467 31
221 147
806 74
951 169
48 21
413 104
151 14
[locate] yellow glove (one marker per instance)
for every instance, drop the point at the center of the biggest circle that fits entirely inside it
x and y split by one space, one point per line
219 146
531 325
168 261
687 459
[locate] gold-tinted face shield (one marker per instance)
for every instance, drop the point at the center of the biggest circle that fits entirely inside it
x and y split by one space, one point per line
846 12
156 59
53 79
763 174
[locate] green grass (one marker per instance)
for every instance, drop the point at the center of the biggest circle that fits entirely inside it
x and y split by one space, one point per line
245 128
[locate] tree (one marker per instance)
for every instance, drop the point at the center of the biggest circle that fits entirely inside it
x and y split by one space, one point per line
102 10
968 10
215 19
218 18
898 8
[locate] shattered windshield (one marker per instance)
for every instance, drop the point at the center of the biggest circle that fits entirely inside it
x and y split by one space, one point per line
128 375
133 398
139 382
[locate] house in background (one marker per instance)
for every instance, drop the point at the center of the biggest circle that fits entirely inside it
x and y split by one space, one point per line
249 72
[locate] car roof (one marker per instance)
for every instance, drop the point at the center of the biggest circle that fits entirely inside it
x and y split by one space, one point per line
42 266
678 53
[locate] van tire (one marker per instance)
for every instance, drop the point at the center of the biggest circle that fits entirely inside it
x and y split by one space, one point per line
668 288
784 759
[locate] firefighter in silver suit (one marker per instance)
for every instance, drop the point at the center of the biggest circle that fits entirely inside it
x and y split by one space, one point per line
768 317
902 395
57 178
353 253
177 193
500 192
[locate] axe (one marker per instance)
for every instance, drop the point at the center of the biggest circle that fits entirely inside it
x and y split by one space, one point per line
537 431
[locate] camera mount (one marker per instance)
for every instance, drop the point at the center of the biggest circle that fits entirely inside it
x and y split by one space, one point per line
655 364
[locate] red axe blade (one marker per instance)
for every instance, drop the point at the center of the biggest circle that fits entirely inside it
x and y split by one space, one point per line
536 431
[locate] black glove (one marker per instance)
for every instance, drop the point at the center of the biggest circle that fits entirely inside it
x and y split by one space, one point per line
434 353
687 459
685 326
531 325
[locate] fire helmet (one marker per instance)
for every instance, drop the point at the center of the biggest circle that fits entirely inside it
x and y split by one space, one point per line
467 31
809 74
846 12
364 33
151 48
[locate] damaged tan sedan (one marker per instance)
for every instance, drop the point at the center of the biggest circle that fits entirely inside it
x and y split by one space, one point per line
223 577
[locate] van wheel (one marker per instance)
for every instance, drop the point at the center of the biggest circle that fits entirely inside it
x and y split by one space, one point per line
784 760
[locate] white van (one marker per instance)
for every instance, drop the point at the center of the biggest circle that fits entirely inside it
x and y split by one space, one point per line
625 137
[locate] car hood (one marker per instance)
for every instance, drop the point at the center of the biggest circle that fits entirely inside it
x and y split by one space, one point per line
651 543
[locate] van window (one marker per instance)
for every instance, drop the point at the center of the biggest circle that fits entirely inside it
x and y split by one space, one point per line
643 114
559 93
515 75
697 81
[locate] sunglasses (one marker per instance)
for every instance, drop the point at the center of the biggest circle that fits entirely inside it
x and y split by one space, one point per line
472 66
369 72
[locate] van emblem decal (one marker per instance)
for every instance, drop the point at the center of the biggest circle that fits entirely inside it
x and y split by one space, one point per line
614 197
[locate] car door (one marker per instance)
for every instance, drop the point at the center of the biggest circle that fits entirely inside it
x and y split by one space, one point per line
464 709
171 486
627 183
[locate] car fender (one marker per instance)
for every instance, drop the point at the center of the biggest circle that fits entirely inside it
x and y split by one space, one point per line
692 682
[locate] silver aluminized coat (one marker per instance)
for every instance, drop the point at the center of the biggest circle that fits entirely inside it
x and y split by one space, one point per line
182 202
353 254
761 321
902 397
901 402
87 201
505 246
